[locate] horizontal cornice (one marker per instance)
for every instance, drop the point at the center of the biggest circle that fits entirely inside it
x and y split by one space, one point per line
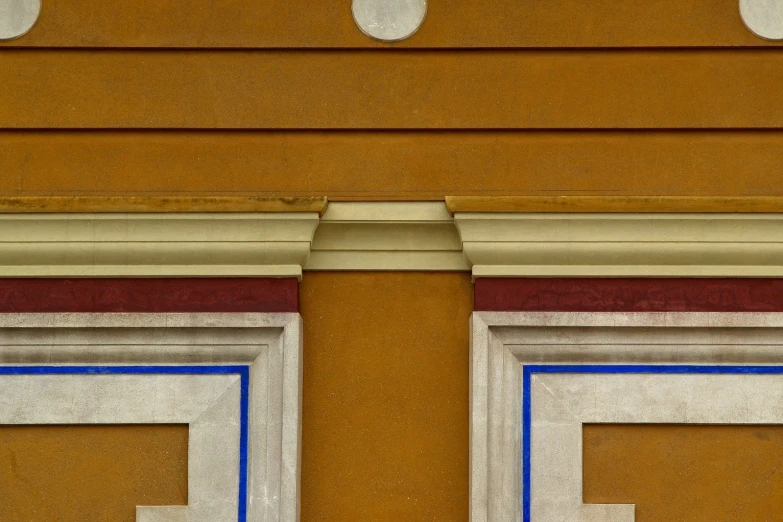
162 204
387 236
155 245
350 236
622 245
615 204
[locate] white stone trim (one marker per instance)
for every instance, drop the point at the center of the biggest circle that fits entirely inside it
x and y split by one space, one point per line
504 342
622 245
268 344
563 403
125 245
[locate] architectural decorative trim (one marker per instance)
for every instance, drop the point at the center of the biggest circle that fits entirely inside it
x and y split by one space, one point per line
173 295
387 236
164 204
680 355
235 378
622 245
628 295
617 204
764 18
17 17
161 245
170 242
389 20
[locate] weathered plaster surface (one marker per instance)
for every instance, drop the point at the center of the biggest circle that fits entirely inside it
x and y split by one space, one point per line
268 344
504 343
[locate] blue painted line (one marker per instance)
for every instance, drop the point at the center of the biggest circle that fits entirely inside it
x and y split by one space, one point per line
244 401
526 421
118 370
650 368
244 438
529 370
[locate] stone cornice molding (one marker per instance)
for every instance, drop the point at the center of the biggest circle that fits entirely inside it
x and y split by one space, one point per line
155 245
573 237
387 236
622 245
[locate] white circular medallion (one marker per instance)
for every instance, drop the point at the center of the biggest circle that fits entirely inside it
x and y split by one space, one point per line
17 17
389 20
763 17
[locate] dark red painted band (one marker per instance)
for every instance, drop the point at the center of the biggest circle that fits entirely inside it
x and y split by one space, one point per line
149 295
629 295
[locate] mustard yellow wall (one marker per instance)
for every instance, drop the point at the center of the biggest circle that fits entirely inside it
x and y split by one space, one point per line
686 473
385 401
242 97
95 473
645 97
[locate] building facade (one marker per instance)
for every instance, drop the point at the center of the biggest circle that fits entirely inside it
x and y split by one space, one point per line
391 261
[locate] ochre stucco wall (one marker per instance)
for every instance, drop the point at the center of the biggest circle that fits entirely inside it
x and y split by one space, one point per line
404 164
133 99
90 473
686 473
644 97
385 401
328 23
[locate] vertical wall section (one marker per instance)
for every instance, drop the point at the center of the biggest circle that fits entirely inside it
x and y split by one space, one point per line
385 402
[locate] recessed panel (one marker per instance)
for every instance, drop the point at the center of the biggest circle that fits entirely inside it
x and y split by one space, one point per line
89 472
687 473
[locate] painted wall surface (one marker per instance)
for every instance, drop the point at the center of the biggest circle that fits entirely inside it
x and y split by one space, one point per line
97 473
385 401
459 23
686 473
645 97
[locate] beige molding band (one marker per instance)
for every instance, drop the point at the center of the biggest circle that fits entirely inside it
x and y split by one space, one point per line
622 245
387 236
155 245
402 236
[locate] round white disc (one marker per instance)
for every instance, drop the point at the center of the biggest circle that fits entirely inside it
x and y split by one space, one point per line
389 20
17 17
763 17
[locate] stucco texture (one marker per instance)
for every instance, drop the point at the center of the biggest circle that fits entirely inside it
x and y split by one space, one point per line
95 473
385 400
686 473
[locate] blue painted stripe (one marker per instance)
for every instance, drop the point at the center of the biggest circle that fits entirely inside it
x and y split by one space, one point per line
244 437
244 401
529 370
650 368
115 370
526 421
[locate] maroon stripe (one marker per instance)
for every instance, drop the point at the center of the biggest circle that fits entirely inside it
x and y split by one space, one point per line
149 295
629 295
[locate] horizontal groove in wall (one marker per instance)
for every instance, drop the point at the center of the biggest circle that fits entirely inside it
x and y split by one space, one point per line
348 90
391 165
456 23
